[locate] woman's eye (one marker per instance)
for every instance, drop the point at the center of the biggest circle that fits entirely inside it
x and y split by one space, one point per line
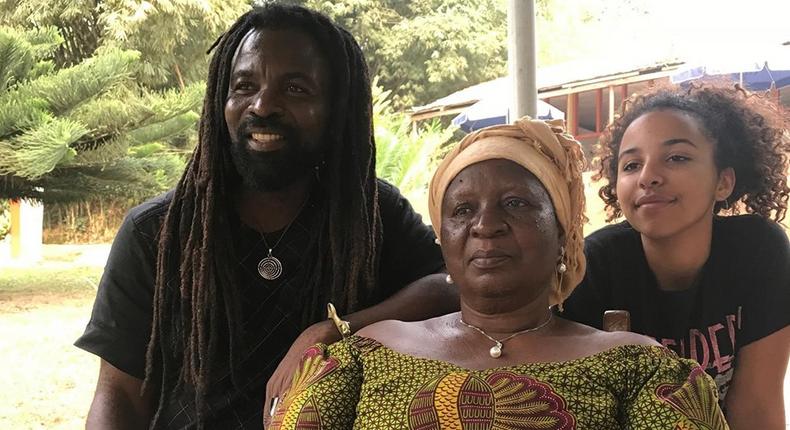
461 210
515 203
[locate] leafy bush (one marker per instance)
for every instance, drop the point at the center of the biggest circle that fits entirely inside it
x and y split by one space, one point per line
406 155
5 219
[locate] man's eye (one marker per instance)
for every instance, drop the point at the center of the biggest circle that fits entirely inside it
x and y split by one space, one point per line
293 88
243 86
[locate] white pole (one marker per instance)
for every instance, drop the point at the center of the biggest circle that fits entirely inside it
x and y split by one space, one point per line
522 57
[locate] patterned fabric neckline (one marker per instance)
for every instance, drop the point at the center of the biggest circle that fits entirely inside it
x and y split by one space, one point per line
619 350
360 384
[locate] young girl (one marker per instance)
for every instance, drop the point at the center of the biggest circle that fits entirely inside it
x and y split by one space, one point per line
712 288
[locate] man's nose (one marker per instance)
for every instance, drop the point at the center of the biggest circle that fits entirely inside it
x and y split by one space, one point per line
266 103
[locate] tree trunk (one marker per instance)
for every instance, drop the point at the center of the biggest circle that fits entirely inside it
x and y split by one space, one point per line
178 76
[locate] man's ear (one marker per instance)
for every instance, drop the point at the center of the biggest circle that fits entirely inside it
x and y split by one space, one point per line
725 184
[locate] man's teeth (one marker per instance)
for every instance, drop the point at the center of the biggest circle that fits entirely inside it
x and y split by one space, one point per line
266 137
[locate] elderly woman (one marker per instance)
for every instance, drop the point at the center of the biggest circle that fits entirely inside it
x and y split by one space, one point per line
507 205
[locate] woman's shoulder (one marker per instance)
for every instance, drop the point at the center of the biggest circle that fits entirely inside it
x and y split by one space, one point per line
609 340
390 329
407 337
631 355
590 341
621 351
627 356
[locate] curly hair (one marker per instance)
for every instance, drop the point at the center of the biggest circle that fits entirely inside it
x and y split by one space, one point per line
749 132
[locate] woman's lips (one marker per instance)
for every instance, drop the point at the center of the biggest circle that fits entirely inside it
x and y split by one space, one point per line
488 259
489 262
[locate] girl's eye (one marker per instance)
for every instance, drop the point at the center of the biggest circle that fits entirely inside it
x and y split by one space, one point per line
631 165
678 158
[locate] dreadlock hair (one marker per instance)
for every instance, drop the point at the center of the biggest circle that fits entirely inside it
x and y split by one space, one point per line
749 132
195 304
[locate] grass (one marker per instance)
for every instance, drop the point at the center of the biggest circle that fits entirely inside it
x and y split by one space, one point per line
47 382
38 280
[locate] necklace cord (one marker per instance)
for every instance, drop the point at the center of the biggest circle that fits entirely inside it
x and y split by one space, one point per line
287 227
501 341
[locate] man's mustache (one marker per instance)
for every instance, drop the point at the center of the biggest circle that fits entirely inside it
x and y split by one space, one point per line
271 124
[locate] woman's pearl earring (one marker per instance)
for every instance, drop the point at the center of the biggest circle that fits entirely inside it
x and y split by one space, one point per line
449 279
562 268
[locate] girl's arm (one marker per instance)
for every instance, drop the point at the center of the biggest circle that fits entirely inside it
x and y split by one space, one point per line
755 399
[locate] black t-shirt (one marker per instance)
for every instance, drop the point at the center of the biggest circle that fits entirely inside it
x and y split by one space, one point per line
742 293
120 325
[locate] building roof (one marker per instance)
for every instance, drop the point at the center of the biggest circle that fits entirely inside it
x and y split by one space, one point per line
549 80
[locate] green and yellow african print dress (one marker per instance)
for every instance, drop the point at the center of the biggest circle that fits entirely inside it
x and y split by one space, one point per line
360 384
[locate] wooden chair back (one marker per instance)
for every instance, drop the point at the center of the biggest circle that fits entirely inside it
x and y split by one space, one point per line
616 320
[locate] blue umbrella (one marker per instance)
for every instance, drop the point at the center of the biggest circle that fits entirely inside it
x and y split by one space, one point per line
493 111
756 75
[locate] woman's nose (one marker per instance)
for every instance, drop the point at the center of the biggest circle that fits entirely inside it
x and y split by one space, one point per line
490 222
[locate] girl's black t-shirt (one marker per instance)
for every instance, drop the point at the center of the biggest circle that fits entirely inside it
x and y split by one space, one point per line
741 295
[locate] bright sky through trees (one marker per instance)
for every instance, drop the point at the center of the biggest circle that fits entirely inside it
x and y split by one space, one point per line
650 29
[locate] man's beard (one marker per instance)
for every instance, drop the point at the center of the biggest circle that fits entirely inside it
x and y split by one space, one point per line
276 170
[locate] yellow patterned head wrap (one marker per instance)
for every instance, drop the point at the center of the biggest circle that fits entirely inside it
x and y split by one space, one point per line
552 155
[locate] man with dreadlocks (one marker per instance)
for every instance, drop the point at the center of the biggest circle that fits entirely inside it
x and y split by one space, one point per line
278 212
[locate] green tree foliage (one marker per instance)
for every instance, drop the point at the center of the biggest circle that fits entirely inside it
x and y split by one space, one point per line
78 23
73 133
101 98
5 219
425 49
172 36
103 87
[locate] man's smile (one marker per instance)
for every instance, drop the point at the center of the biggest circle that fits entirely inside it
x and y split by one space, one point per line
266 142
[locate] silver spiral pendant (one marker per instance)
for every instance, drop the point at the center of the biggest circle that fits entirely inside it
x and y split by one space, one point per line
270 268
